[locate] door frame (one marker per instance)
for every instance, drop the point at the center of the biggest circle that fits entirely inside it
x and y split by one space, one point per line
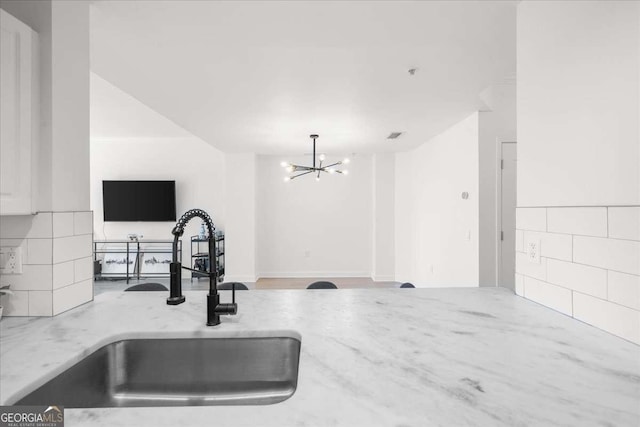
499 240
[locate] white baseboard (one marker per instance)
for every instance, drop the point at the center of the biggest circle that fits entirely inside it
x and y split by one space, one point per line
312 274
241 279
383 278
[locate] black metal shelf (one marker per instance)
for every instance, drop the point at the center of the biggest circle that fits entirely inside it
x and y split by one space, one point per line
197 239
206 255
198 274
200 256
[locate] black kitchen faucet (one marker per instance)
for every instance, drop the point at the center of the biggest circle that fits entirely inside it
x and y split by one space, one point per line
214 308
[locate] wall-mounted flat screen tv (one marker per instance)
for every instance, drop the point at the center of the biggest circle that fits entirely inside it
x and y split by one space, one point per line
139 200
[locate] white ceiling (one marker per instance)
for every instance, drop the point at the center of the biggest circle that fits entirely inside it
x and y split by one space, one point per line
261 76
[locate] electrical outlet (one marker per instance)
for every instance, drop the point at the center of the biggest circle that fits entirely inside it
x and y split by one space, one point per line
533 251
11 261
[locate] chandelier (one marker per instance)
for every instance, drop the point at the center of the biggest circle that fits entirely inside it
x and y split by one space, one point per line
298 170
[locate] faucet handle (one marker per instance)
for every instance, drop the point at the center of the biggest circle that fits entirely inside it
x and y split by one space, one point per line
229 308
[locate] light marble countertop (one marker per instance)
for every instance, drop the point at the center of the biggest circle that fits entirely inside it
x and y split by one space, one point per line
383 357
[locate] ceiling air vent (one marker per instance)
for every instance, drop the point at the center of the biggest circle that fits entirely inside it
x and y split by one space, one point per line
394 135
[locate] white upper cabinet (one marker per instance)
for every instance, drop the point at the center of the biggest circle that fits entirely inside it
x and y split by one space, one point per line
18 116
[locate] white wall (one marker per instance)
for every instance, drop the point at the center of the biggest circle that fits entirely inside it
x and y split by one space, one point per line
436 230
383 233
578 157
314 229
197 168
578 104
495 126
150 148
70 107
240 214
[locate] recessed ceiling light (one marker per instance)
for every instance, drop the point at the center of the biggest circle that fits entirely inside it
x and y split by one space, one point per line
394 135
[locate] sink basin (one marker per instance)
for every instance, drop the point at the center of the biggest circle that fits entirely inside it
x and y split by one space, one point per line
177 372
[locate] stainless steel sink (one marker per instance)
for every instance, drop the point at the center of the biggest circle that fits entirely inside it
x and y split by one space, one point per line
177 372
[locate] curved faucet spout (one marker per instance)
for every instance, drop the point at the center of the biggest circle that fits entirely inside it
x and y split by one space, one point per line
178 230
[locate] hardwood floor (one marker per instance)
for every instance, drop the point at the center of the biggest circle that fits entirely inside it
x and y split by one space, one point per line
340 282
265 283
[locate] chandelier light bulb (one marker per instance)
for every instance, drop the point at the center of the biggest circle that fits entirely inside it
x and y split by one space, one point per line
318 166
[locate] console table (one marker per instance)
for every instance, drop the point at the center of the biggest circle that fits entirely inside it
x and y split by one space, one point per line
124 259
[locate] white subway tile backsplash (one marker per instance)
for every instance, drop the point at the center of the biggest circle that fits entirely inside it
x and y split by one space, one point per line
39 251
83 223
63 274
33 278
582 221
552 245
72 296
612 254
16 304
519 241
62 224
71 248
534 219
83 269
526 268
611 317
57 271
40 303
582 278
37 226
624 222
552 296
519 285
590 264
624 289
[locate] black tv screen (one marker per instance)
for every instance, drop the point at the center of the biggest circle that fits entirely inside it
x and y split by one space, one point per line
139 200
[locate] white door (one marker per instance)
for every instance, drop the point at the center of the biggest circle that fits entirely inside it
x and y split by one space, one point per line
508 216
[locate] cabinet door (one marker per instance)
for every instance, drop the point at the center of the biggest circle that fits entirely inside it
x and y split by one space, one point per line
18 123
